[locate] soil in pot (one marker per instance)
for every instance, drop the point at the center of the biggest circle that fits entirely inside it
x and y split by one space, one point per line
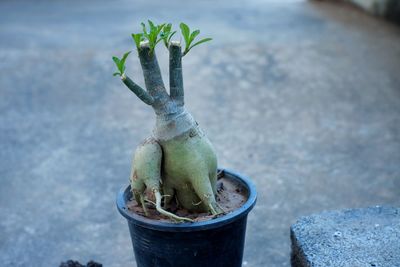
231 195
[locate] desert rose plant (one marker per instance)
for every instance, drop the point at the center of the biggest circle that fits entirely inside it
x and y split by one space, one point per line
177 161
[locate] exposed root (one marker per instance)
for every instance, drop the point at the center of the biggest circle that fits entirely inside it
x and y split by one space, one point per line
196 204
217 210
151 202
222 211
166 213
213 211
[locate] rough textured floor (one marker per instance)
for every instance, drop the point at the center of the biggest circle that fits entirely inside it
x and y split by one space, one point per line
304 97
349 237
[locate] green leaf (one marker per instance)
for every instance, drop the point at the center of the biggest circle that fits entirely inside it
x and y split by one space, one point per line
195 44
172 34
159 40
116 73
123 61
137 37
201 41
167 28
152 27
166 34
166 31
144 30
116 60
154 33
194 34
118 63
160 27
185 32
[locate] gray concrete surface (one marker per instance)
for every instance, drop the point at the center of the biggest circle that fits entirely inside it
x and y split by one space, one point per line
304 97
353 237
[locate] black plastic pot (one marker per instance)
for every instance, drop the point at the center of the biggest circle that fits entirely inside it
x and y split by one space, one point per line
213 243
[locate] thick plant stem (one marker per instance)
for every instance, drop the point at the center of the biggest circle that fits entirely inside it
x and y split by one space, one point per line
175 73
151 69
178 159
153 80
139 91
166 213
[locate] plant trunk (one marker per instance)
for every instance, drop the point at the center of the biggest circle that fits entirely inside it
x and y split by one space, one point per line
178 159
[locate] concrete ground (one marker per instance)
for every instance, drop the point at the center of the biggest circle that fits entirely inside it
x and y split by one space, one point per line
349 237
303 97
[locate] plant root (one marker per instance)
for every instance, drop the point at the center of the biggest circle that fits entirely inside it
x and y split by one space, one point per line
166 213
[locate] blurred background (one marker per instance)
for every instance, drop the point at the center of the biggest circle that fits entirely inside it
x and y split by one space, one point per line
301 96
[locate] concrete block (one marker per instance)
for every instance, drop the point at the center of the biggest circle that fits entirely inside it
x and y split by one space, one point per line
348 238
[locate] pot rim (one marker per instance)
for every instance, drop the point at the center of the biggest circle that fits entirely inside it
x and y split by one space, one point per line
192 226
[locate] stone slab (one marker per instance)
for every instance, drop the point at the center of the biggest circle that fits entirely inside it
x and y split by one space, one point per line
353 237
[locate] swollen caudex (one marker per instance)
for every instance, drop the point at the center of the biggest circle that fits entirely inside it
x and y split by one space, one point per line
178 161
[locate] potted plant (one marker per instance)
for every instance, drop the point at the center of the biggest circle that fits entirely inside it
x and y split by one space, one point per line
175 201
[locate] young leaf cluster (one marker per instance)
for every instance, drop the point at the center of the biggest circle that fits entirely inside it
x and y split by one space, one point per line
137 38
121 64
167 34
154 34
189 38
